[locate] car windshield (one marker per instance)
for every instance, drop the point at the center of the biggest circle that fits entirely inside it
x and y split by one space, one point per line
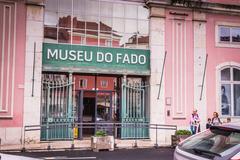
212 142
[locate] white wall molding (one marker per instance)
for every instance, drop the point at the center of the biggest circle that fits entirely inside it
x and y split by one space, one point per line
179 69
10 9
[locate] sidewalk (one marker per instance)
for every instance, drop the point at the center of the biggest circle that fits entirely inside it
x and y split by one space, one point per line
13 157
78 144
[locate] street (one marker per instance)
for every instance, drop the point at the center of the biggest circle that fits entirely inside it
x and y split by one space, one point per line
119 154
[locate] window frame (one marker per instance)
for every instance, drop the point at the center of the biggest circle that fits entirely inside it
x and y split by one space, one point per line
230 44
231 36
104 82
231 82
84 82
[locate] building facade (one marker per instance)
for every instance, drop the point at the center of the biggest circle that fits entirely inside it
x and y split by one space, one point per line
87 61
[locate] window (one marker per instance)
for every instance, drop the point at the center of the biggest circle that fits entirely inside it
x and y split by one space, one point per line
108 43
104 84
229 34
101 23
230 91
83 83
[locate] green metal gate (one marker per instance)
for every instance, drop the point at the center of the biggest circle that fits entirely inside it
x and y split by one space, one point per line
56 110
133 110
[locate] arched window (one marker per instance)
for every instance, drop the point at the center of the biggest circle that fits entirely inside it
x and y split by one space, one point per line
230 91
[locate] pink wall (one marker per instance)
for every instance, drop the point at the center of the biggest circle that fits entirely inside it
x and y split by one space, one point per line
17 119
179 67
216 56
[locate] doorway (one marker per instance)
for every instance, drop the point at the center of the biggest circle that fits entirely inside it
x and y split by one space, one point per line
93 107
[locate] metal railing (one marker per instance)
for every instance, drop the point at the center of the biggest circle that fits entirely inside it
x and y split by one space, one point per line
110 128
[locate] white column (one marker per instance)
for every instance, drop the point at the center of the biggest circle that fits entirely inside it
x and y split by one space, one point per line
199 64
32 102
157 47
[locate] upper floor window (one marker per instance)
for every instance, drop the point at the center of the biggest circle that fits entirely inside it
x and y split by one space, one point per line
104 83
83 83
230 91
229 34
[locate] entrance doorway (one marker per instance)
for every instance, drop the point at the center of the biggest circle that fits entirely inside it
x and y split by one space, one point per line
92 101
93 107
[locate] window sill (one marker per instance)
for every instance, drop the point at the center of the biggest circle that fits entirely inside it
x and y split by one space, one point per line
227 45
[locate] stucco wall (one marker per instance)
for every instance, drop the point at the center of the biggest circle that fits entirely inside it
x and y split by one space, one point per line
179 67
217 56
13 124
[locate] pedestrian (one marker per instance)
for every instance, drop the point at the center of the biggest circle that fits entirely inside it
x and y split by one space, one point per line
216 120
195 122
209 123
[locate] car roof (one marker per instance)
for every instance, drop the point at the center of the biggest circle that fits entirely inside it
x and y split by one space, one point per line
232 125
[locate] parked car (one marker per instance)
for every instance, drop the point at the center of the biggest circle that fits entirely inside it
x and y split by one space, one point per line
218 143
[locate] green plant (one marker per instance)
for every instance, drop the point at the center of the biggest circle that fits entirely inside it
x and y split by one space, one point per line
100 133
183 132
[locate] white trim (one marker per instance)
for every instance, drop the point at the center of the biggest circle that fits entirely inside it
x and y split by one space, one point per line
227 64
173 77
14 58
180 82
223 44
181 66
8 55
175 69
2 69
13 65
220 67
185 68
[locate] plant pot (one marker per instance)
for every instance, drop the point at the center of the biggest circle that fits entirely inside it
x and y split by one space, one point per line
182 137
176 139
100 143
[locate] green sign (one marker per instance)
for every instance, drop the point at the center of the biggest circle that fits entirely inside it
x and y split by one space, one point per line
92 59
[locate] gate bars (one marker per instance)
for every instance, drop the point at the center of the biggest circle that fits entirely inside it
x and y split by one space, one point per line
134 109
56 107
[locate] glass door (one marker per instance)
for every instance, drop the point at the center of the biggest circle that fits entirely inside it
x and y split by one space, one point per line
103 106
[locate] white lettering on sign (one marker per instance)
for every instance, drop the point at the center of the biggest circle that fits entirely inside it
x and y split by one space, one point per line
126 59
80 56
101 57
134 59
142 59
52 54
108 57
88 58
72 55
63 56
119 57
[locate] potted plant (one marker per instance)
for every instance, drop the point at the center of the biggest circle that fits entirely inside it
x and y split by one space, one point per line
102 141
179 136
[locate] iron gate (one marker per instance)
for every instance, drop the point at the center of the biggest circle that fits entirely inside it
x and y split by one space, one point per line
134 113
56 113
